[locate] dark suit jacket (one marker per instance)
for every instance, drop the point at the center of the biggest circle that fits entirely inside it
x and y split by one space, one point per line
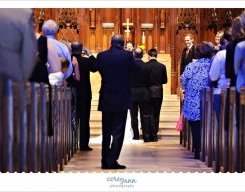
40 71
158 77
83 86
140 82
185 61
114 66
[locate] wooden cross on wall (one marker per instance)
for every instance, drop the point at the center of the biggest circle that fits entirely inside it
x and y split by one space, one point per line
127 25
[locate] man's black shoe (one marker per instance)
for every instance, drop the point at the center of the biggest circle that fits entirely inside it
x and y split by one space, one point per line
147 140
197 156
87 148
154 139
136 138
114 166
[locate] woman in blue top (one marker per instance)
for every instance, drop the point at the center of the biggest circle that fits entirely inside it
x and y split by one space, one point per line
194 79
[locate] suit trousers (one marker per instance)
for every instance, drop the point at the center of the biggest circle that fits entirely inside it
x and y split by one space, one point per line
113 127
84 107
144 108
156 104
196 135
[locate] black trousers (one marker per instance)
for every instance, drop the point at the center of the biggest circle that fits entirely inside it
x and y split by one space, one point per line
113 127
144 108
156 104
196 135
84 107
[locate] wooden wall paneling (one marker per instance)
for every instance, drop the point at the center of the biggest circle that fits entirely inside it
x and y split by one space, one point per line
117 29
211 24
53 13
109 16
147 15
92 41
224 18
147 18
138 32
149 39
198 23
104 41
167 31
85 36
172 47
106 15
204 13
99 31
92 30
134 29
161 30
155 34
67 20
92 18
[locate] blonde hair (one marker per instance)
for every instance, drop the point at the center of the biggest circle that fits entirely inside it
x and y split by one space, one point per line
190 35
220 33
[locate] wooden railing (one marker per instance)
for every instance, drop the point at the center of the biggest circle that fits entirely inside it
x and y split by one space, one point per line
34 138
223 142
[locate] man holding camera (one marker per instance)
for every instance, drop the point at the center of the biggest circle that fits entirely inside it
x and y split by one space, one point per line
84 93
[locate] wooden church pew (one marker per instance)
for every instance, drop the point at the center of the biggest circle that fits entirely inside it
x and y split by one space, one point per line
7 126
224 133
233 133
241 167
25 144
209 126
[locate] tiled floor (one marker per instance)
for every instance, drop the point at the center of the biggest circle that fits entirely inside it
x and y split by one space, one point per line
162 156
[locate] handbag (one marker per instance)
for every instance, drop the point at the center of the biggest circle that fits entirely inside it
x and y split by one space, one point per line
179 125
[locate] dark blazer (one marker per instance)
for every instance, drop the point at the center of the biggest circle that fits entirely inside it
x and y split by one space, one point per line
158 77
114 66
186 60
40 71
140 82
83 86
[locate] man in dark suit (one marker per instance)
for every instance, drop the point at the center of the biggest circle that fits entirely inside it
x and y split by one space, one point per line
140 97
84 93
188 53
114 66
158 77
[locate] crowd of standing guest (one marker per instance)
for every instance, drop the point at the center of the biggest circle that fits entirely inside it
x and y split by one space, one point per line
217 66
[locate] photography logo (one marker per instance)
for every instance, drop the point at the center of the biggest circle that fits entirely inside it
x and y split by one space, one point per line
121 182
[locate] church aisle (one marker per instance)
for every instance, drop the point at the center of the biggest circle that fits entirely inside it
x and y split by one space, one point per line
163 156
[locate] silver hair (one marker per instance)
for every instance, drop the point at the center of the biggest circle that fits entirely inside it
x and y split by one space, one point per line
50 27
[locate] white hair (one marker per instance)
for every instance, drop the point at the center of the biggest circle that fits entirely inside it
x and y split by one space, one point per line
50 27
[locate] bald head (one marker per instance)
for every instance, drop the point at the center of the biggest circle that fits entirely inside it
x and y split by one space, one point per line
117 41
76 47
138 53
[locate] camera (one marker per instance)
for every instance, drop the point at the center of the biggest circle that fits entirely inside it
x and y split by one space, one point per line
84 51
